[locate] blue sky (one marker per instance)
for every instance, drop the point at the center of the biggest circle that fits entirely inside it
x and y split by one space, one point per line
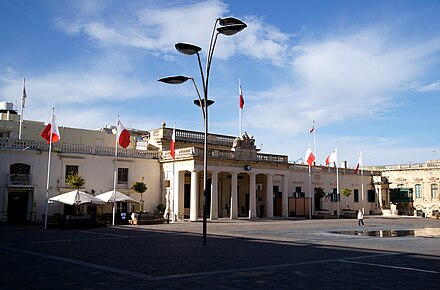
367 71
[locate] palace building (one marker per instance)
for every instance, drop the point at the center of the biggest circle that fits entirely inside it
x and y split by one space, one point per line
242 181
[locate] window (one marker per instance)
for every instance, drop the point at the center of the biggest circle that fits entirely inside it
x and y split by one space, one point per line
418 190
122 175
371 195
356 195
19 168
434 190
19 174
298 192
71 170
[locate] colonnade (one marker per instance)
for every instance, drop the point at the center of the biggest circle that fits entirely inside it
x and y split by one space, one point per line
230 193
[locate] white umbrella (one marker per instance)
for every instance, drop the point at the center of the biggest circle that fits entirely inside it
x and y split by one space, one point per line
76 197
109 196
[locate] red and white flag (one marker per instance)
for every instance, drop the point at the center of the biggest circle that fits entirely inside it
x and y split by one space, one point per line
313 127
123 136
332 158
51 132
241 97
359 164
173 143
309 158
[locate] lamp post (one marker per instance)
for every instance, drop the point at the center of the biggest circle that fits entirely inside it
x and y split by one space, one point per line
228 26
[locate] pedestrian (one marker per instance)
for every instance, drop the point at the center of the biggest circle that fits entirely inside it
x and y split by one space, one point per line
360 218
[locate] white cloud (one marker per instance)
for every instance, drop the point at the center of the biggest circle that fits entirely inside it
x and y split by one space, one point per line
425 88
158 29
335 80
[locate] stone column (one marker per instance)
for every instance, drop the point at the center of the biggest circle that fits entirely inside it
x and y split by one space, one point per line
252 196
234 201
269 196
181 190
285 197
175 197
214 195
194 197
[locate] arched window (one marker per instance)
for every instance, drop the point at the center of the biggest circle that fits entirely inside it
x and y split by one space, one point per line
19 174
19 168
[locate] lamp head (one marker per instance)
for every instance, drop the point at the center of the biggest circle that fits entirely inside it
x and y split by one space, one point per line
229 21
202 102
231 29
174 80
187 48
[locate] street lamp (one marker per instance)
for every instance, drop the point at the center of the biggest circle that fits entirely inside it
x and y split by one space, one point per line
228 26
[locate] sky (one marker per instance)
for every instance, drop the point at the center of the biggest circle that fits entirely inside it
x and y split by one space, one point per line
366 72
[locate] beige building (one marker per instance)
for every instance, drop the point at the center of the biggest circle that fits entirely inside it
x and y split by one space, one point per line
242 181
414 187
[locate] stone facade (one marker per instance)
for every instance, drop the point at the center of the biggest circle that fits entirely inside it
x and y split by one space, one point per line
242 181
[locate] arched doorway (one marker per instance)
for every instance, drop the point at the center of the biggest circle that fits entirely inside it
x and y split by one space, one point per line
19 193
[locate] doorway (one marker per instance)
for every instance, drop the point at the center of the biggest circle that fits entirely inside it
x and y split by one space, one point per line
18 206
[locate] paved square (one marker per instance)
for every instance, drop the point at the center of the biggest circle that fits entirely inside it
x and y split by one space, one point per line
239 254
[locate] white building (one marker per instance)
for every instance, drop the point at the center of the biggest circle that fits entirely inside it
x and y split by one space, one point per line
242 181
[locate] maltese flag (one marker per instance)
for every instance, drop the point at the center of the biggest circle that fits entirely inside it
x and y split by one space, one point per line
309 158
123 136
359 164
332 158
51 130
173 144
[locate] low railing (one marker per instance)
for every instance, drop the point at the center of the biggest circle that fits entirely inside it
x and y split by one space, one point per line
6 143
193 136
192 152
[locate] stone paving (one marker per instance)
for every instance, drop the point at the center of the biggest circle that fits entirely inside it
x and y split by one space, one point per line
240 254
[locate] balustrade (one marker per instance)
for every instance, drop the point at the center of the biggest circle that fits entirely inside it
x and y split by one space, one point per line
75 148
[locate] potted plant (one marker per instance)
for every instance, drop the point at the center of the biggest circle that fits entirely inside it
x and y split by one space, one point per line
76 182
140 187
347 192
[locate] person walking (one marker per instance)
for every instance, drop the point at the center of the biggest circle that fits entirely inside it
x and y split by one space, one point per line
360 218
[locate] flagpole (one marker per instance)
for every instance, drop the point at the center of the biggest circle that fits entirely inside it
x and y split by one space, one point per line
337 186
314 137
362 185
172 202
48 172
240 110
310 190
114 174
22 110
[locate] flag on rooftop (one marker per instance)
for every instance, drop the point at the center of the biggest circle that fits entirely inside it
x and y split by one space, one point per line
24 96
309 158
241 97
359 164
332 158
51 130
123 135
173 143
